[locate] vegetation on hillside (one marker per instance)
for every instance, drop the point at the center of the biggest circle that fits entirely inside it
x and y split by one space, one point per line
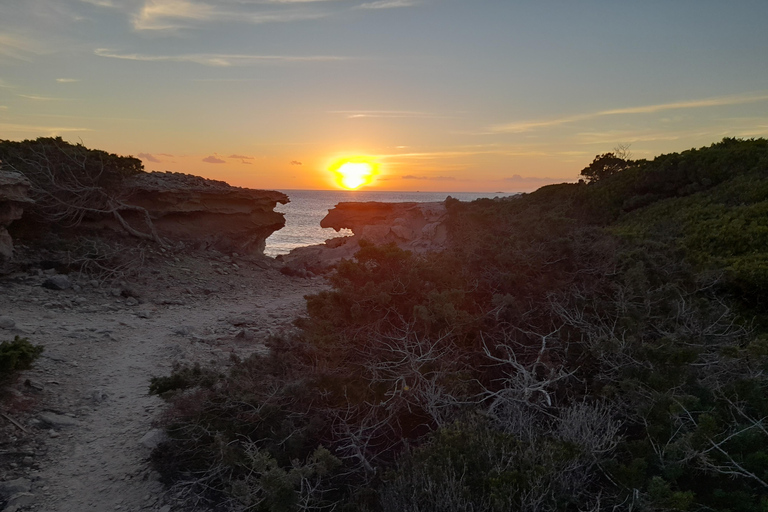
71 183
589 346
15 356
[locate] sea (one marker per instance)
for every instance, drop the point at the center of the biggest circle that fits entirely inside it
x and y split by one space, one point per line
308 207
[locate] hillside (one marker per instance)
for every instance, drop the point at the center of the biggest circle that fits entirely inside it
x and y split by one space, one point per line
587 346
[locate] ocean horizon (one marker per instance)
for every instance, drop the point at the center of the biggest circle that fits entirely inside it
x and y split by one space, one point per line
308 207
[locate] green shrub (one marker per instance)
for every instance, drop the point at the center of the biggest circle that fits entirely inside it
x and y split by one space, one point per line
17 355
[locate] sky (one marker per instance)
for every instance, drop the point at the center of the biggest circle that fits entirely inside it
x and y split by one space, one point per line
442 95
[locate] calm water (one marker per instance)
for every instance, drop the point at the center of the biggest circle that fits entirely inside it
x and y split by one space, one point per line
308 207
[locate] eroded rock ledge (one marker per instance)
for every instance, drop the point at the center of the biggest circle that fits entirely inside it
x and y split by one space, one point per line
208 213
417 227
14 195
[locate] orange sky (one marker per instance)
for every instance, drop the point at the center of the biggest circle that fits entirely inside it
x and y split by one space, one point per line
444 95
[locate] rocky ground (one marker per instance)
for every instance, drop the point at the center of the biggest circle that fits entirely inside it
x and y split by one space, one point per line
76 430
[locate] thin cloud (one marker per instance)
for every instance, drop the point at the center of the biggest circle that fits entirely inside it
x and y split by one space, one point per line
100 3
213 160
227 80
149 157
67 80
241 157
386 4
35 97
739 99
157 15
360 114
295 162
429 178
516 179
17 48
47 130
217 59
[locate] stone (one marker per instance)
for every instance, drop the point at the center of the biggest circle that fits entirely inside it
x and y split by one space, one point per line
7 322
10 487
57 282
57 420
31 383
245 335
403 232
21 499
153 438
131 301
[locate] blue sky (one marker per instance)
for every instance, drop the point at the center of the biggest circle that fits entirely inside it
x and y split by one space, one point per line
451 95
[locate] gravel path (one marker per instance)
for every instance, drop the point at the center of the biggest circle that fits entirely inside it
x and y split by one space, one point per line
85 406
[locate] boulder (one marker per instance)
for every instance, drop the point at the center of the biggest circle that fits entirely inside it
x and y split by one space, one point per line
57 282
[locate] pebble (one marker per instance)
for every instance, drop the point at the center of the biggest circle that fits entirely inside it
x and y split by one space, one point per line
7 322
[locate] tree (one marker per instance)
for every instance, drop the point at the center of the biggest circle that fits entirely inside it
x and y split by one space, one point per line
608 164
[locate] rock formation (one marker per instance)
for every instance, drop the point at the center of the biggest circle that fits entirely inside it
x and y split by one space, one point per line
14 194
417 227
206 212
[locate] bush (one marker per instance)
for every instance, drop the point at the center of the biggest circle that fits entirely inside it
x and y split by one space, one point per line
17 355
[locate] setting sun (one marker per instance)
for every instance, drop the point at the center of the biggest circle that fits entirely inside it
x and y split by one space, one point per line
352 173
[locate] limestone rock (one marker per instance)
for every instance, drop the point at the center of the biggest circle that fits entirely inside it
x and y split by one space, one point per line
417 227
207 213
10 487
21 499
153 438
57 282
57 420
14 194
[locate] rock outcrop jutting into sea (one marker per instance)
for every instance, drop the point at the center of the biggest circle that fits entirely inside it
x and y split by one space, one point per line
14 195
207 212
417 227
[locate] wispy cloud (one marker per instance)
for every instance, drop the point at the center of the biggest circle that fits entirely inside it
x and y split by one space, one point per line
516 179
739 99
217 59
67 80
387 114
100 3
242 157
213 160
226 79
158 15
386 4
149 157
18 48
40 130
429 178
36 97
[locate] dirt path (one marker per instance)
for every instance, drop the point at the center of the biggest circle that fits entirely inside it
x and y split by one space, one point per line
86 408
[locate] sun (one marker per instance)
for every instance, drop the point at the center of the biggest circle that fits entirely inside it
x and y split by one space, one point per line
354 172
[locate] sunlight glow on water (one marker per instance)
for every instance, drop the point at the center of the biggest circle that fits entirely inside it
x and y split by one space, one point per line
307 208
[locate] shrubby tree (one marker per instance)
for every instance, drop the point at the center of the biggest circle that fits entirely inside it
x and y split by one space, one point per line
71 182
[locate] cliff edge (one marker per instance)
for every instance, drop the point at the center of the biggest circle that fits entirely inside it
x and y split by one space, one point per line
207 213
417 227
